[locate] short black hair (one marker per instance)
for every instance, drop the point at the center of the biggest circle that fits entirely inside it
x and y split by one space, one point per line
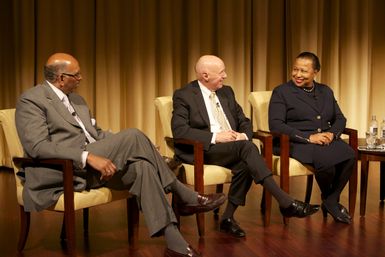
313 57
52 71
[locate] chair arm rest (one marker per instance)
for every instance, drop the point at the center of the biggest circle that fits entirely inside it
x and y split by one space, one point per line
25 162
66 165
267 150
353 138
198 160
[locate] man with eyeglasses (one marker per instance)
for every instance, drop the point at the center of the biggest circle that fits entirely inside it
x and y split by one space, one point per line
54 122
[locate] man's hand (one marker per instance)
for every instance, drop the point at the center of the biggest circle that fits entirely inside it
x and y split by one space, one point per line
101 164
240 136
324 138
226 136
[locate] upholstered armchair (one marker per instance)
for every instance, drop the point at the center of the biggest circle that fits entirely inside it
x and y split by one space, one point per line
198 174
286 167
69 201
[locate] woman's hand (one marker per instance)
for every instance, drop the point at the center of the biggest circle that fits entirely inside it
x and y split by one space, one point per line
324 138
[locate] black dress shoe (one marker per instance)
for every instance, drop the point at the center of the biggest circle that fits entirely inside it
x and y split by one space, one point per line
231 227
191 252
344 211
204 203
299 209
338 217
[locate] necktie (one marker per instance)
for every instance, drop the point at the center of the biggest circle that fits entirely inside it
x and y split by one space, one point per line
218 113
71 109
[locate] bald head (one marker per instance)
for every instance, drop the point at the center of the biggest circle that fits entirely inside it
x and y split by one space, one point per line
58 63
62 70
210 71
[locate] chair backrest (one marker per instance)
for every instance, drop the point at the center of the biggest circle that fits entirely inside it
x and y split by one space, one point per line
259 101
7 122
164 106
5 157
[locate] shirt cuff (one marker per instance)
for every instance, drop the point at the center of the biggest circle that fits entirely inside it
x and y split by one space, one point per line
84 159
214 138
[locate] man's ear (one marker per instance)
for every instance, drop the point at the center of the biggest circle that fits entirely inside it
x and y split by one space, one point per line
205 76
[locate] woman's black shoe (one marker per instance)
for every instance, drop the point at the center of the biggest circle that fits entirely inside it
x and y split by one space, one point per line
338 217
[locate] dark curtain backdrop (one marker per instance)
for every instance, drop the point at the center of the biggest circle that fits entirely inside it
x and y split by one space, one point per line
132 51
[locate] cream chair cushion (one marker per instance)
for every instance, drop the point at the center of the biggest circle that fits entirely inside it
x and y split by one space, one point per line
82 199
213 174
259 101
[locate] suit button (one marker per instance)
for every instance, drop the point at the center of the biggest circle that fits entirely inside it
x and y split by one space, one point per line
319 130
318 117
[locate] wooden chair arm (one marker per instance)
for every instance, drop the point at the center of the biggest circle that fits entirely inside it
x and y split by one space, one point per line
267 149
198 160
65 165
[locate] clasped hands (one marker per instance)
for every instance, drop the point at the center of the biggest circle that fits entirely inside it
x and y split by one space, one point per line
105 166
324 138
229 136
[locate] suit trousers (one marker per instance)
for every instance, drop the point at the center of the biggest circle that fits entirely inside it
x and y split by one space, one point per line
142 170
246 163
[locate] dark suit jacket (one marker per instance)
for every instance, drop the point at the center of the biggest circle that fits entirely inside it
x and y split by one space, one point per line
298 114
190 118
48 130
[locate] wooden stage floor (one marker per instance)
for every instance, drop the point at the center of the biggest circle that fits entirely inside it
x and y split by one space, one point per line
312 236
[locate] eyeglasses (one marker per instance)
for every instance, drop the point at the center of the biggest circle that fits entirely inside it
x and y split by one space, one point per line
76 76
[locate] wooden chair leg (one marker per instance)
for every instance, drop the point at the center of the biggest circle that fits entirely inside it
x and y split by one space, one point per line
263 201
267 208
309 188
25 218
201 223
353 190
69 224
219 189
85 221
133 222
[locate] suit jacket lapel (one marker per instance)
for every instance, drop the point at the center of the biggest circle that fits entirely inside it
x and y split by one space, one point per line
226 109
319 94
298 94
84 114
58 105
200 102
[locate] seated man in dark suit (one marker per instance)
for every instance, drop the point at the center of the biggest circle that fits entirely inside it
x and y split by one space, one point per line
206 110
54 122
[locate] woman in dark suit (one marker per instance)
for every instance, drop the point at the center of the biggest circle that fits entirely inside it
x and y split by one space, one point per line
308 112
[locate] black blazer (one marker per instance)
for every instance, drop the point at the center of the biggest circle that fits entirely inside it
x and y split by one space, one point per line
298 114
190 118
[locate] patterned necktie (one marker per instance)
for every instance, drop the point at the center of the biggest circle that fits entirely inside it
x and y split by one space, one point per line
218 113
71 109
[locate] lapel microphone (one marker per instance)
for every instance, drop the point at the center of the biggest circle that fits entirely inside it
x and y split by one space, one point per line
73 113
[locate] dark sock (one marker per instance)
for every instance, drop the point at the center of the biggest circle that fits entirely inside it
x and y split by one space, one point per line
184 193
174 239
229 211
284 200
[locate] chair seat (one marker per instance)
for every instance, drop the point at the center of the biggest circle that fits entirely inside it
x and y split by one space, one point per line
85 199
295 167
213 174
